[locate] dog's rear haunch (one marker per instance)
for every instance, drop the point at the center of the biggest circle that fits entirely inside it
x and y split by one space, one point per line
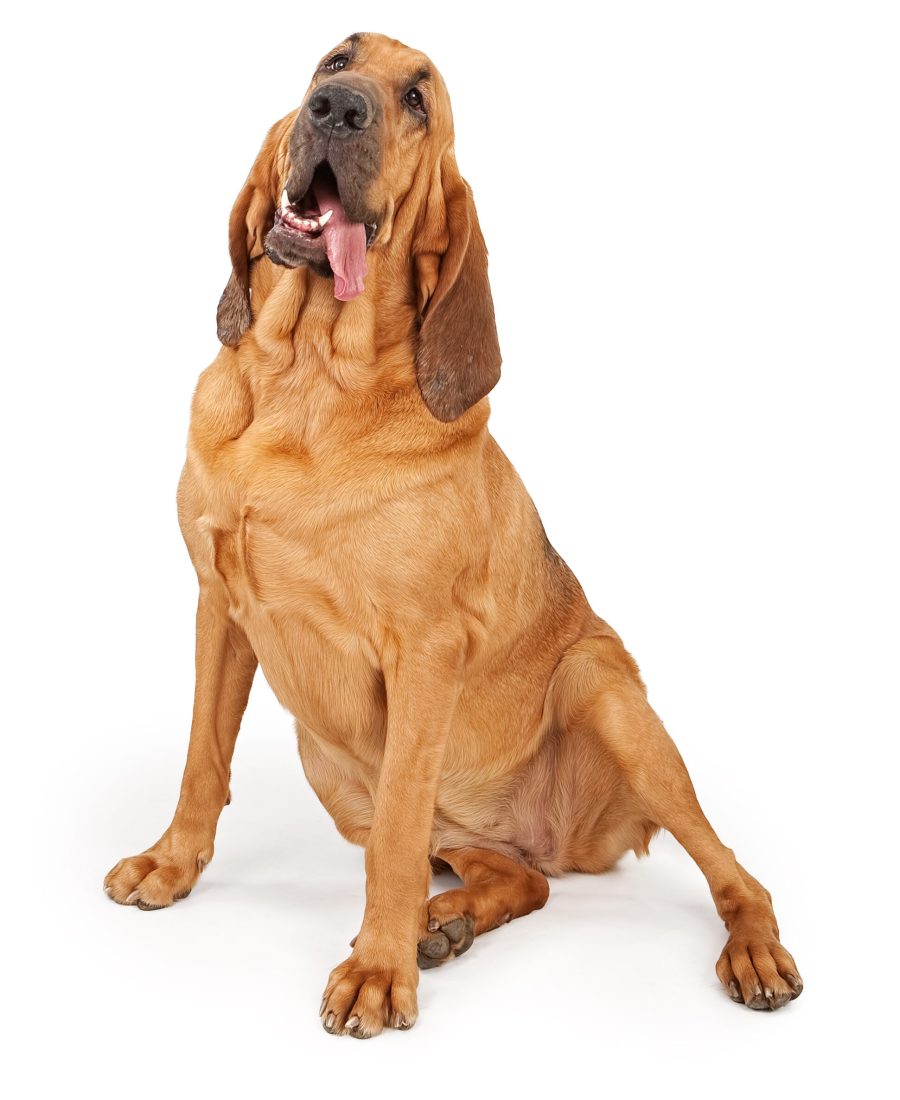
356 531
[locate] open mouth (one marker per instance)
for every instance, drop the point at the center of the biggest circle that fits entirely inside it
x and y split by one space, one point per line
318 221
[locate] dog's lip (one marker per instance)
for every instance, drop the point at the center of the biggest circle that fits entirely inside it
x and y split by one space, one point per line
308 226
309 222
301 216
292 224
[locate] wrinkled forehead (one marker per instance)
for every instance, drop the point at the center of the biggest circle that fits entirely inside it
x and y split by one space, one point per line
388 62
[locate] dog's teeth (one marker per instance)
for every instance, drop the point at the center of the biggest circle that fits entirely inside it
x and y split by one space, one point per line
285 205
323 218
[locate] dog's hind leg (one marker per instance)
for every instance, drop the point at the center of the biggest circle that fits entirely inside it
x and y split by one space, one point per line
597 691
495 890
225 665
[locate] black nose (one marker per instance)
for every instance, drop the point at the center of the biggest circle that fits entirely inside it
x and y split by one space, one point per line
340 109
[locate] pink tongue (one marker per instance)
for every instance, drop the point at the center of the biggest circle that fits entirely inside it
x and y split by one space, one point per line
345 243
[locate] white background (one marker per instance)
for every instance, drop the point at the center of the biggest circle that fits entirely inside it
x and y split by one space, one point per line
692 211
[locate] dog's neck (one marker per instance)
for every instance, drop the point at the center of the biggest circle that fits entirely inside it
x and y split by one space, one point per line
320 368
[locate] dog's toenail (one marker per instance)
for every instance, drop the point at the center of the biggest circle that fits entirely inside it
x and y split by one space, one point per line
329 1019
433 925
353 1022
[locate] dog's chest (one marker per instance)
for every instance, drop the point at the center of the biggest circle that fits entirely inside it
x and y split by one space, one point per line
271 535
324 541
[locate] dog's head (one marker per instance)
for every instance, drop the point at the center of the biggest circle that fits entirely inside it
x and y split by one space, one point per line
364 168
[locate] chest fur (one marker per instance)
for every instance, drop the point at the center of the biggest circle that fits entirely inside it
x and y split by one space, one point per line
320 553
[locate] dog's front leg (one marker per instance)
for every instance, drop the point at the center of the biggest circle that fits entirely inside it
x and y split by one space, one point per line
376 986
225 665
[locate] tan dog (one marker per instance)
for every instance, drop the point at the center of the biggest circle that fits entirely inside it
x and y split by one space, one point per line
356 530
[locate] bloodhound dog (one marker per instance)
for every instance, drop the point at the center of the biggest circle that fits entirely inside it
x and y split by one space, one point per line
356 531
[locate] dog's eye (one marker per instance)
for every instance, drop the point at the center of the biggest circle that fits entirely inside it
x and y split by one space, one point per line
413 98
337 63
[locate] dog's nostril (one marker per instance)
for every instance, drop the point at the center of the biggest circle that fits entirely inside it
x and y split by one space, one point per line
340 110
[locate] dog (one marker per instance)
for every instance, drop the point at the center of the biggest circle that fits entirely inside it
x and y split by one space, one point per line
357 532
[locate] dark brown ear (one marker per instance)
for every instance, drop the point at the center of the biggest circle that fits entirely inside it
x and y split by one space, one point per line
458 358
251 219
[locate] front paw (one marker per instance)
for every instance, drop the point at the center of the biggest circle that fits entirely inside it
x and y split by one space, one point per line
757 971
362 998
158 877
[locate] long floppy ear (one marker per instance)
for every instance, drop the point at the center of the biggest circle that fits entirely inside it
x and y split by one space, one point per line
251 219
458 358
